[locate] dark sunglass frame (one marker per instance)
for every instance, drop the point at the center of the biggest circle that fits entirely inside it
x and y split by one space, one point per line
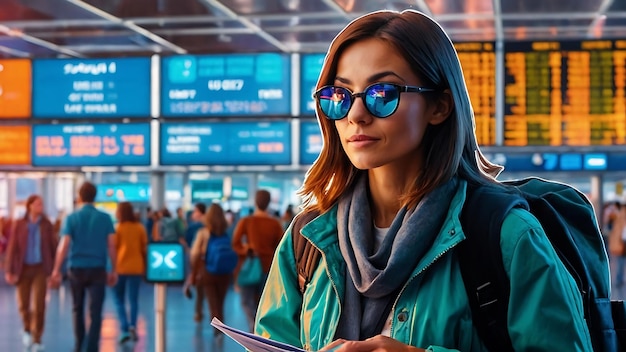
363 95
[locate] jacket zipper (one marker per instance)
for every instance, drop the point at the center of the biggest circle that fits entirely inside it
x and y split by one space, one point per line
393 308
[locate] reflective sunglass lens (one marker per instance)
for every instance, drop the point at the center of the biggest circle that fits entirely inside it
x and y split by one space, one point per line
382 99
334 102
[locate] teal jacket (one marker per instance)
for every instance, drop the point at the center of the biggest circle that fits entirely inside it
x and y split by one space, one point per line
545 308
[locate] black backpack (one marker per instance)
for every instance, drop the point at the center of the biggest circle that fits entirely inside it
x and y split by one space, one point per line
569 221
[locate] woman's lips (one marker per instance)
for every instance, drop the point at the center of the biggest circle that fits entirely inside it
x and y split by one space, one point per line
361 140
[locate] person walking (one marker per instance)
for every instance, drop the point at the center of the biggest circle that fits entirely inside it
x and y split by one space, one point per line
29 261
213 285
257 234
196 222
131 242
88 237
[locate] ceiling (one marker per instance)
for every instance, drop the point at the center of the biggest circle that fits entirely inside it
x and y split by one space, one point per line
109 28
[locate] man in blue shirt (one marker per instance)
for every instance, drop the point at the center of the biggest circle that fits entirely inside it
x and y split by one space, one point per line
87 235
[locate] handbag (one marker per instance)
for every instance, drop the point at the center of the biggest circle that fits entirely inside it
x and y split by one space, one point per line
251 272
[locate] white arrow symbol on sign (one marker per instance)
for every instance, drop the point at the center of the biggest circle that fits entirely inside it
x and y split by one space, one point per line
168 260
158 259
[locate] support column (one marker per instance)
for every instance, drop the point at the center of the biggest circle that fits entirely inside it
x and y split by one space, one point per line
157 190
48 193
597 195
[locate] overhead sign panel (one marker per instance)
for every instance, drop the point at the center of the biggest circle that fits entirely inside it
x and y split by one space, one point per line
91 145
226 143
15 145
310 68
226 85
91 88
15 88
310 142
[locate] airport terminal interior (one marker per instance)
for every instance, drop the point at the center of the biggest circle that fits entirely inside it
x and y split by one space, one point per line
166 103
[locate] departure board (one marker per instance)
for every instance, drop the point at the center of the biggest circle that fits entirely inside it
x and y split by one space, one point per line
565 93
226 85
15 145
311 142
91 145
478 60
310 68
226 143
79 88
15 88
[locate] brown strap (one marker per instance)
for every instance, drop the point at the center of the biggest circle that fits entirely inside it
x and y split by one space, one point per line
306 255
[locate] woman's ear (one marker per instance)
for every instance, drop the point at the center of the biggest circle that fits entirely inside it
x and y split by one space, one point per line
442 108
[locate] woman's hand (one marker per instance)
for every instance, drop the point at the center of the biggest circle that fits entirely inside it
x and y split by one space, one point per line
378 343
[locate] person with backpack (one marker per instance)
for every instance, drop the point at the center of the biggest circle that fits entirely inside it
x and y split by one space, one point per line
213 261
388 192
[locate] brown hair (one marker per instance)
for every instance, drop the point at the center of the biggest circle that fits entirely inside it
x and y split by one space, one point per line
87 192
29 201
262 199
125 212
214 220
450 148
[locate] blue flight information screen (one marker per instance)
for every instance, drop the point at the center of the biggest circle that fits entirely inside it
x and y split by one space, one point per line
91 88
310 142
226 85
226 143
91 145
310 68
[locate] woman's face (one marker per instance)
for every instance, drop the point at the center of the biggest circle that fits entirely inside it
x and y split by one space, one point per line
371 142
36 207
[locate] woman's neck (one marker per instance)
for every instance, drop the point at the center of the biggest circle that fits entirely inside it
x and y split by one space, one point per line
386 191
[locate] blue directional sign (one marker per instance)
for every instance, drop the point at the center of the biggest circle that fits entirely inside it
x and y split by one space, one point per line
79 88
310 142
91 145
165 262
226 143
226 85
310 68
123 192
554 161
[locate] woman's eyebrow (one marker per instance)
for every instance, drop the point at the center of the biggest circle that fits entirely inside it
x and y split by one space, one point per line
373 78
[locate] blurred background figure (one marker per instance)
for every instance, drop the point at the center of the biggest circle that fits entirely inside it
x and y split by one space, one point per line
287 216
196 223
131 241
257 235
29 262
214 285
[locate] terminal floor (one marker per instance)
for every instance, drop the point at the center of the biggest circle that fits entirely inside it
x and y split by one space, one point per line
182 333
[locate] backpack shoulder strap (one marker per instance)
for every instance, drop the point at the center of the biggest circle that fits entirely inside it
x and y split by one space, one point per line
306 255
480 257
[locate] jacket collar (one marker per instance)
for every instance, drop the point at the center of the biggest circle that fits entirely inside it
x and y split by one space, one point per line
322 232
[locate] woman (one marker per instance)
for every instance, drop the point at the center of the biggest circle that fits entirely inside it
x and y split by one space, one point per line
29 262
390 182
131 241
215 286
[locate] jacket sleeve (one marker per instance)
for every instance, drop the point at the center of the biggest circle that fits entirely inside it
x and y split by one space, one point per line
278 316
12 248
545 307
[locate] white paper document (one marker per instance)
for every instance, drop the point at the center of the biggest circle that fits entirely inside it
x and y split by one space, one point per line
253 342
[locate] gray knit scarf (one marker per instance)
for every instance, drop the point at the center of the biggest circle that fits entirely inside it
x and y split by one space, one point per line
373 280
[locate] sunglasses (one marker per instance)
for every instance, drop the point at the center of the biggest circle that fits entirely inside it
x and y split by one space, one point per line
380 99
